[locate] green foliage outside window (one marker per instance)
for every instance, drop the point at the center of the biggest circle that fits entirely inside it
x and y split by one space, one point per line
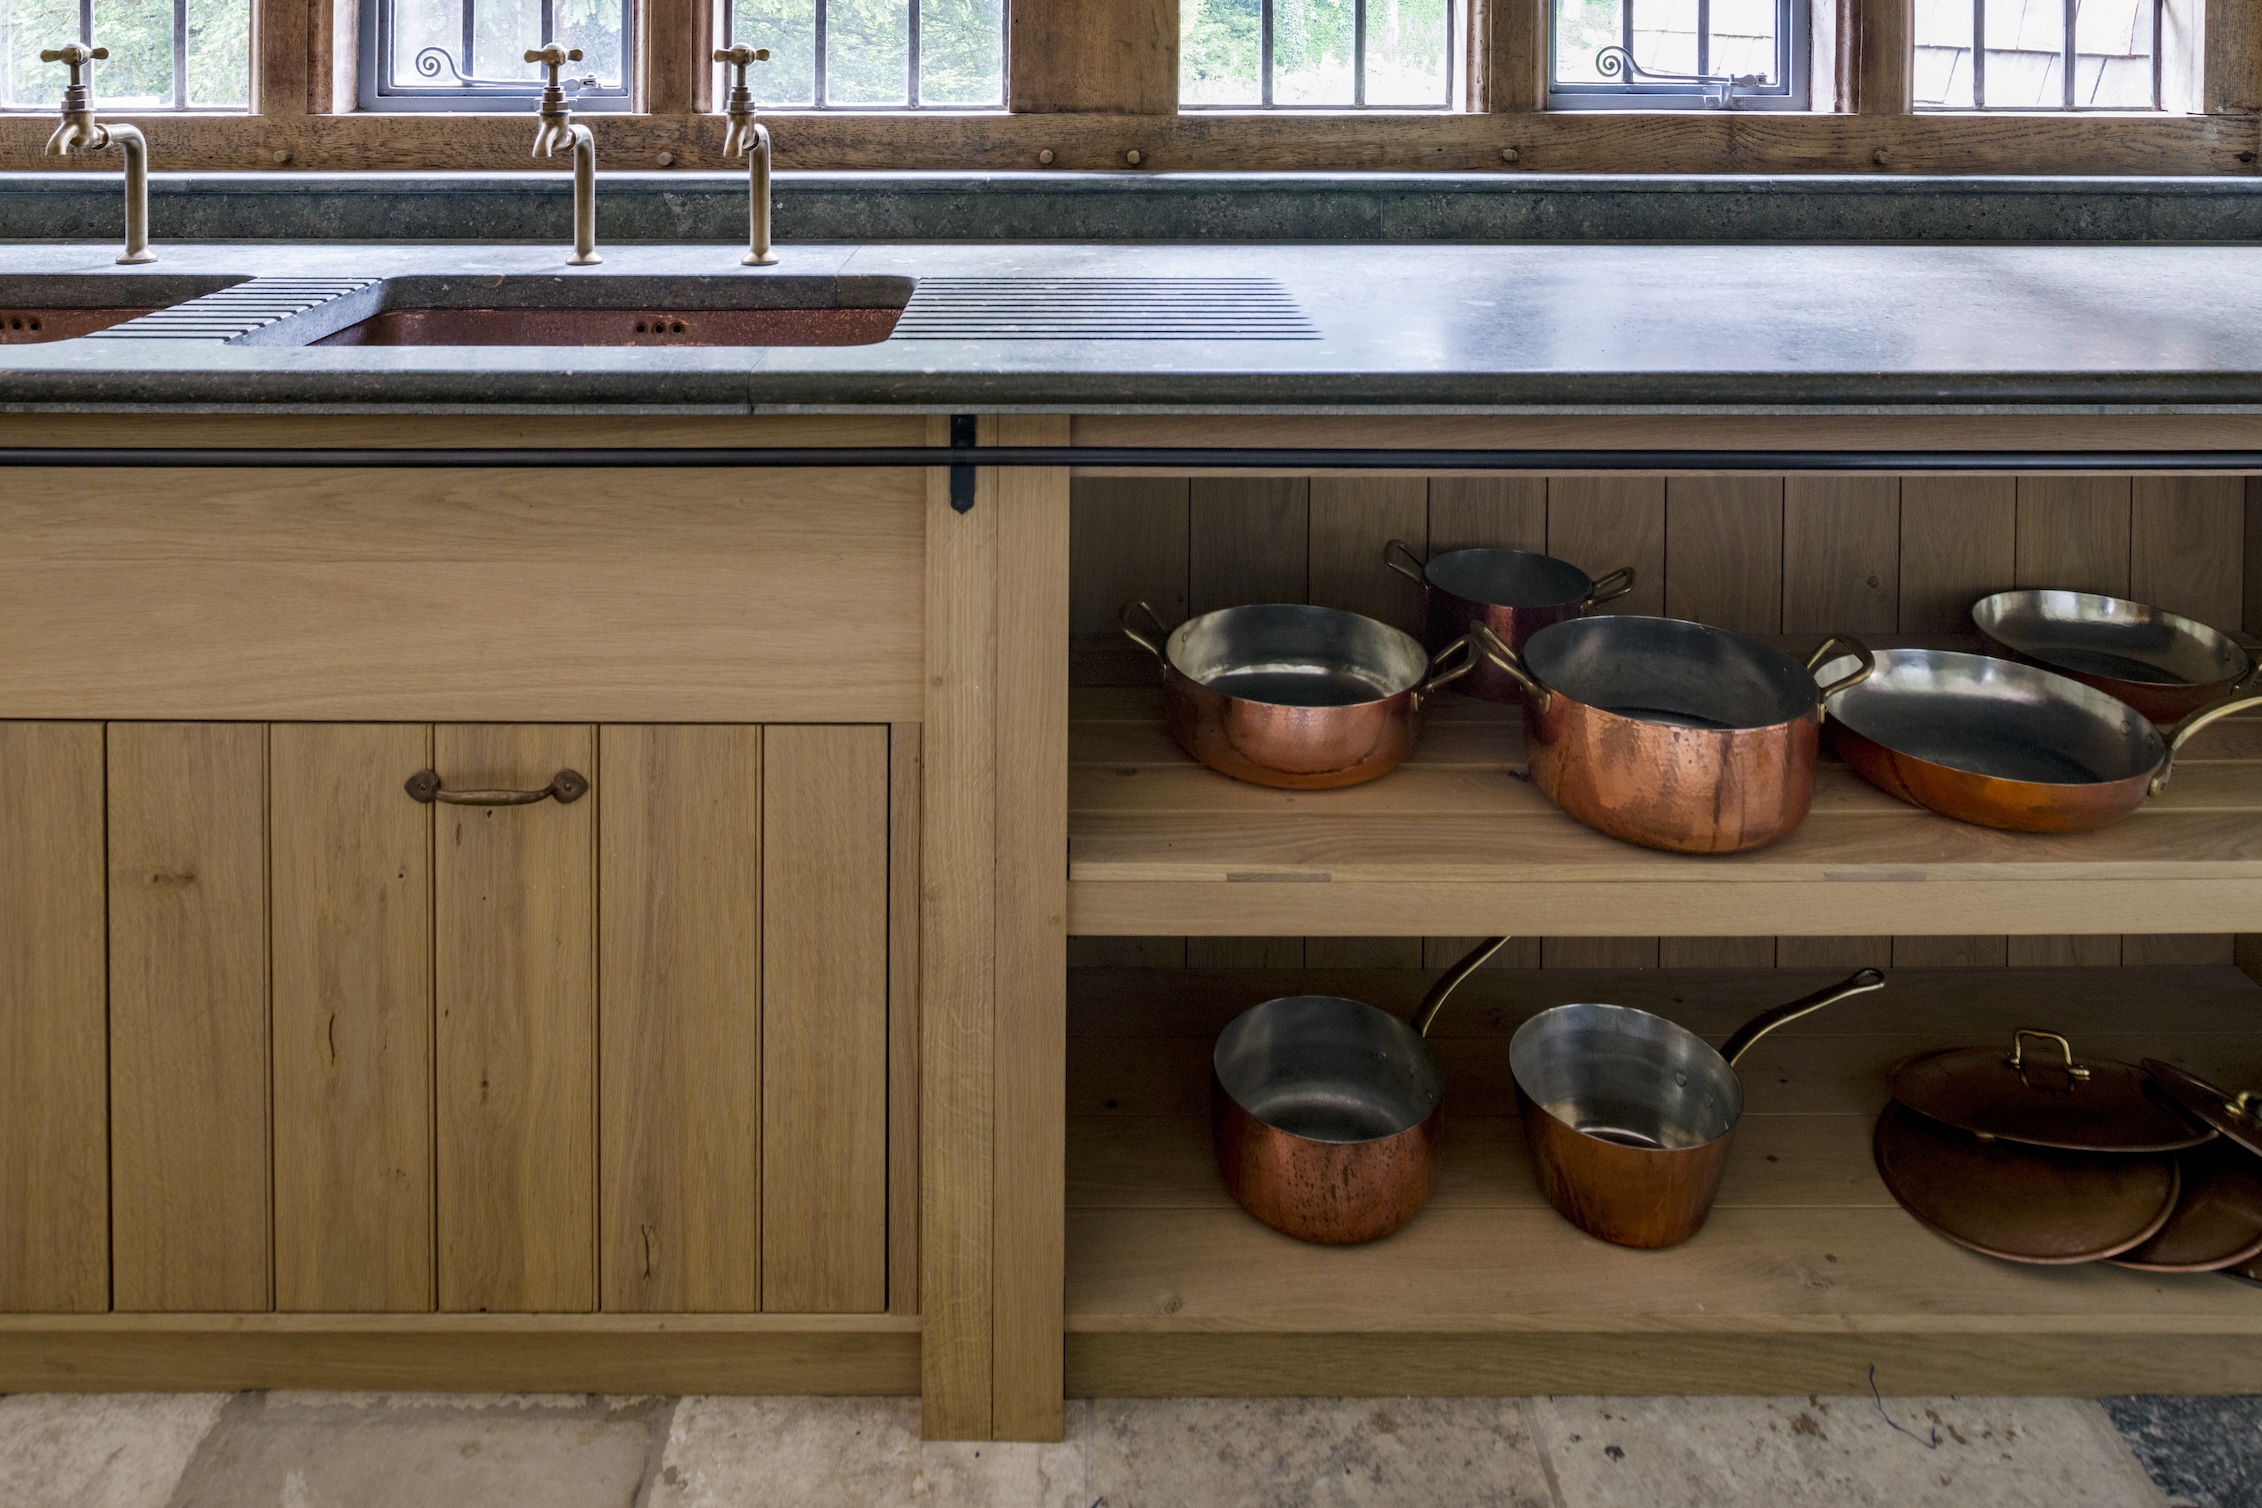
138 74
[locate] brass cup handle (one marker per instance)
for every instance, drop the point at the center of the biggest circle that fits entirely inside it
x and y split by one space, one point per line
2182 732
1865 667
1417 573
1538 697
565 788
1439 679
1609 589
2017 1059
1151 646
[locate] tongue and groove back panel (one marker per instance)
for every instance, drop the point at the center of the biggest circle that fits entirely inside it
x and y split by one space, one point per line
1888 557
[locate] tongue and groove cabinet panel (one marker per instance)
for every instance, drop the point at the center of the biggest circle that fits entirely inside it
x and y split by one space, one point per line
54 1168
188 1016
681 1006
351 942
824 990
514 952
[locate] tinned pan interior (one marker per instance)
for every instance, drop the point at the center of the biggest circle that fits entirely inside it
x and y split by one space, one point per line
1509 578
1626 1076
1665 670
1327 1068
1996 718
1292 654
2110 636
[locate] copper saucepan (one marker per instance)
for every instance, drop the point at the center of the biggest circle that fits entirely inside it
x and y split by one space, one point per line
1515 593
2001 744
1324 1111
1281 694
1668 734
1628 1116
2165 666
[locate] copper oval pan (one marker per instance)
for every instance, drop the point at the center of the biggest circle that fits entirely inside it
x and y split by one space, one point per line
1324 1111
2165 666
2023 1203
2045 1097
1293 696
1669 734
2217 1221
2001 744
1515 593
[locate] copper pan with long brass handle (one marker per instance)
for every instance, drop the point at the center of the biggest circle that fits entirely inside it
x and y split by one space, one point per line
2003 744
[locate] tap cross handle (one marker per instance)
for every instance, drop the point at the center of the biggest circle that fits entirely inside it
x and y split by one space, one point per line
553 57
739 58
75 56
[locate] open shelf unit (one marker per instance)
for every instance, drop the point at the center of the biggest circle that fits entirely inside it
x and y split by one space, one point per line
1456 842
1805 1277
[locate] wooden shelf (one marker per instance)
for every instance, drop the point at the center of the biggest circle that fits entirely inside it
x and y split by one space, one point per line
1806 1275
1456 842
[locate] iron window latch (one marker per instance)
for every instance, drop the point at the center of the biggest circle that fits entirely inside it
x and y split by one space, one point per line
433 61
1719 88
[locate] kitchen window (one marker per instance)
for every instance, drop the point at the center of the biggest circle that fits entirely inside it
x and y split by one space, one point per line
164 54
471 54
1319 54
2038 54
1678 55
873 54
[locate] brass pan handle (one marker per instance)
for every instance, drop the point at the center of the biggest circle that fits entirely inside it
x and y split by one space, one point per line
2192 724
1151 646
565 788
1418 573
1439 679
2017 1059
1539 697
1843 644
1609 589
1860 982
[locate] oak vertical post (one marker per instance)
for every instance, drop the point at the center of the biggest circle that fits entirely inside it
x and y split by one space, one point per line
1120 58
1882 29
1029 1222
958 877
1508 55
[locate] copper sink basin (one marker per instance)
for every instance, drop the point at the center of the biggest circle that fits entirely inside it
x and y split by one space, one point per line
618 327
23 327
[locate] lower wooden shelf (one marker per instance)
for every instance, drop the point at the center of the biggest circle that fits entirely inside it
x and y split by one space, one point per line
1806 1276
1454 843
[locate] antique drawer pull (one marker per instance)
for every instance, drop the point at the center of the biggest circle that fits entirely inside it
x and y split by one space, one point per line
565 788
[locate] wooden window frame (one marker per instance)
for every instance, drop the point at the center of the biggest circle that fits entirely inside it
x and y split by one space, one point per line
1092 81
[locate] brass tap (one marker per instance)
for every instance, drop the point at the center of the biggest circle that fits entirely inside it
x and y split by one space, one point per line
81 132
748 138
556 129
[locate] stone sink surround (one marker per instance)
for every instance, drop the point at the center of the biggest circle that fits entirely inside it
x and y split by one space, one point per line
375 1450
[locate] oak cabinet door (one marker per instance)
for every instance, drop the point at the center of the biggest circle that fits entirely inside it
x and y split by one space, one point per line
54 1140
350 938
515 983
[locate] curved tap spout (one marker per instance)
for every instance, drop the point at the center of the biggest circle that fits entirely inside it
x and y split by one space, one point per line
556 129
748 138
81 132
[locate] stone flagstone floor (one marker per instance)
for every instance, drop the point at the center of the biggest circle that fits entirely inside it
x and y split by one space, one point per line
369 1450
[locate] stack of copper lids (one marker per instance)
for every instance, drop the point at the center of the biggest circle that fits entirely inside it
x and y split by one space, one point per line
2041 1156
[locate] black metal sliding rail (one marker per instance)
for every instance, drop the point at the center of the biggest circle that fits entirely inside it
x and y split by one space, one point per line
1162 458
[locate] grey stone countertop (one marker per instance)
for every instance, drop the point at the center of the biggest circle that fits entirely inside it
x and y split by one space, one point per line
1404 328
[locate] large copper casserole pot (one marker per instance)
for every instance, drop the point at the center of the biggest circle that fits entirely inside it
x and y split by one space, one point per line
1668 734
1324 1111
1628 1116
2001 744
2165 666
1515 593
1281 694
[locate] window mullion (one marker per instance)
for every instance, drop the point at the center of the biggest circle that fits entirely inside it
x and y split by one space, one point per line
1359 52
1979 54
911 50
1704 36
2066 42
817 64
1264 51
